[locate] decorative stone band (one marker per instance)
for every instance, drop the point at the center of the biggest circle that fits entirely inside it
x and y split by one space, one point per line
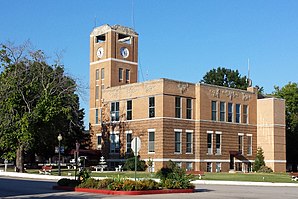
196 160
113 59
275 161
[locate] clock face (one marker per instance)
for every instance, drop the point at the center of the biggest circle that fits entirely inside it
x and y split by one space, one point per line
99 52
124 52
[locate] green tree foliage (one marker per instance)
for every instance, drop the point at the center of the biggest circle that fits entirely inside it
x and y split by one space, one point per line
225 77
290 93
130 164
37 102
259 161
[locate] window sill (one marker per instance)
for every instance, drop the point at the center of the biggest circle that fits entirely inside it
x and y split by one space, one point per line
218 154
177 153
209 154
190 153
151 152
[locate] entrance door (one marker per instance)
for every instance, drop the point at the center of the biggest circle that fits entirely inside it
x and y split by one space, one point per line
231 162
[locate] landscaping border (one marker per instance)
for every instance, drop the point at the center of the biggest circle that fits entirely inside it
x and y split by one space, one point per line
110 192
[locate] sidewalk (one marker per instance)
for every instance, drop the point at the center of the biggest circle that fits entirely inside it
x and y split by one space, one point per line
196 182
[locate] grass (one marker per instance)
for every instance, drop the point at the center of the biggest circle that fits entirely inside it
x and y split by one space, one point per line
251 177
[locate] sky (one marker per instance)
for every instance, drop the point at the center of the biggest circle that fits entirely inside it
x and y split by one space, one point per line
178 39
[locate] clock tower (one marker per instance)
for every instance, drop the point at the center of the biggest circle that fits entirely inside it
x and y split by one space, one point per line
113 62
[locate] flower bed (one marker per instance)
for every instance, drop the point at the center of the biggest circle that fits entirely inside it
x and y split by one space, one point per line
110 192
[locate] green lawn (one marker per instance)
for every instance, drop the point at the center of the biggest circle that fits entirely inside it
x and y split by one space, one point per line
252 177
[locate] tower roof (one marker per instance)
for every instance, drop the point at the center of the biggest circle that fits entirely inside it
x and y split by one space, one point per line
118 28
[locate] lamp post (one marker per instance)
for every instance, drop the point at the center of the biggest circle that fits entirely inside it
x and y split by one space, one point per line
59 152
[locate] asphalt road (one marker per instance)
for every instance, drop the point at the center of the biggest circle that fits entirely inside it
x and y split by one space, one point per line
28 188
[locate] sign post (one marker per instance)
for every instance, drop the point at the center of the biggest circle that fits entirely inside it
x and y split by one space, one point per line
136 146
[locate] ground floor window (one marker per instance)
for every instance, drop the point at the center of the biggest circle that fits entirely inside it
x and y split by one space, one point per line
189 166
218 167
209 166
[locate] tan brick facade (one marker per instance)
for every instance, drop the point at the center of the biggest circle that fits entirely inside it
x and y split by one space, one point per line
202 127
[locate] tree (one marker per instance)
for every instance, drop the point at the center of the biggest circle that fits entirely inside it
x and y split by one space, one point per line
259 161
37 102
225 77
290 93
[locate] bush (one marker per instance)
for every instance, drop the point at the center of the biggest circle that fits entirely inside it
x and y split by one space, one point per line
130 185
173 177
259 161
103 184
265 169
130 164
84 175
68 182
89 183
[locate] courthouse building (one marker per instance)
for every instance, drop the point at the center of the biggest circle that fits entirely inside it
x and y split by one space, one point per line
199 126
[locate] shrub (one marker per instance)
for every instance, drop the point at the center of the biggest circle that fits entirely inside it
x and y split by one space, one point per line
68 182
173 177
150 184
116 186
89 183
84 175
265 169
130 164
259 161
103 184
129 185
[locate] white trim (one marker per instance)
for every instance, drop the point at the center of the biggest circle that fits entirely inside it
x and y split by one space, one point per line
114 59
209 132
271 125
189 131
196 160
150 130
248 135
178 130
98 134
241 134
275 161
128 132
218 132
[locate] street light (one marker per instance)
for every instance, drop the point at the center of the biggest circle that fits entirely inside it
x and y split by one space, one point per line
59 152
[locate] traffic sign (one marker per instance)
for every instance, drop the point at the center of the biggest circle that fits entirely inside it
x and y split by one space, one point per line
136 145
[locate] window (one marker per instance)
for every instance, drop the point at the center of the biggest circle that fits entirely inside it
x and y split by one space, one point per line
96 92
100 38
240 143
209 142
188 108
151 107
237 113
129 110
245 114
120 74
230 112
99 139
222 110
127 75
128 142
218 143
151 141
209 167
213 110
96 116
178 107
102 74
249 144
97 74
124 38
115 111
114 143
189 166
177 141
218 167
189 141
179 164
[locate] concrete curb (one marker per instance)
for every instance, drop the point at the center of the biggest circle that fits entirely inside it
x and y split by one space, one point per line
196 182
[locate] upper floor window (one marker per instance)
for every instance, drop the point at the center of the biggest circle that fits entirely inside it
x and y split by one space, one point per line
249 144
97 74
189 139
151 141
213 110
218 143
178 107
120 74
96 116
100 38
127 75
124 38
188 108
245 114
240 143
178 141
115 111
237 113
222 110
230 112
96 92
209 142
151 106
102 74
129 110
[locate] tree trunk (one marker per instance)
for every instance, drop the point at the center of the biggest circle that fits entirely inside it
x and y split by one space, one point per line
20 159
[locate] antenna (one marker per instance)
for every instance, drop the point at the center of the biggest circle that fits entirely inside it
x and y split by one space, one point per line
248 75
95 21
132 15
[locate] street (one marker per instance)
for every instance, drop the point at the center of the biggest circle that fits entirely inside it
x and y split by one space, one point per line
28 188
